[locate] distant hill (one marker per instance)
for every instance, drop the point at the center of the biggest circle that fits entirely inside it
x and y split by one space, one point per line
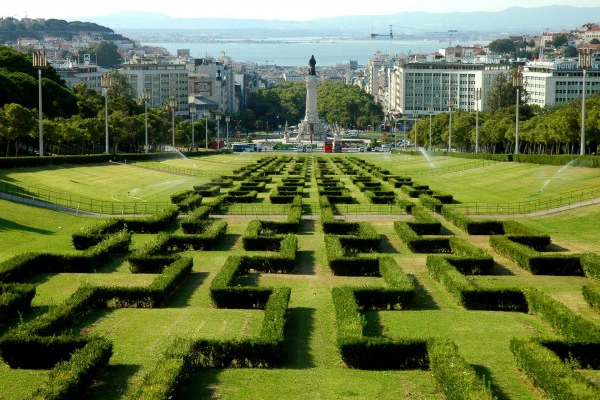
511 21
12 28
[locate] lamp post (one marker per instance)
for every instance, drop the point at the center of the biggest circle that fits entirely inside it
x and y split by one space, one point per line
218 118
517 83
193 109
416 118
451 103
227 119
585 62
172 105
145 97
477 98
105 83
40 62
430 110
206 115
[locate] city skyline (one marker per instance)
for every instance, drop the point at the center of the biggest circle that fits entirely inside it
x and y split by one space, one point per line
238 9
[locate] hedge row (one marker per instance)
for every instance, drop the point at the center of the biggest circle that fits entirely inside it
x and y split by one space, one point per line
591 294
431 202
468 294
151 257
549 372
381 196
361 352
419 244
208 190
87 298
93 234
15 298
398 181
473 227
245 197
225 294
187 200
535 262
573 327
416 190
186 355
22 266
457 378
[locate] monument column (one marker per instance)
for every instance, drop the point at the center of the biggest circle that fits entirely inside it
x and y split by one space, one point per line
311 99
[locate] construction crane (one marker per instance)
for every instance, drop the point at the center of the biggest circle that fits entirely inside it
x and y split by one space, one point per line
450 40
391 34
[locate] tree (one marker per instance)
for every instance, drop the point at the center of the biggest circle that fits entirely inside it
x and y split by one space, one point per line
570 51
559 40
595 41
20 123
502 46
107 53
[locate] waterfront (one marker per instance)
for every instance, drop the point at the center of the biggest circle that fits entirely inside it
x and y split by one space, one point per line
327 52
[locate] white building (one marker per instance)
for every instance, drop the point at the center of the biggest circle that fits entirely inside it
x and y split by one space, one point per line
417 86
292 76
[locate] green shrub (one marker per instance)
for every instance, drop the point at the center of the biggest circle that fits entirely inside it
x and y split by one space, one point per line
15 299
457 378
591 294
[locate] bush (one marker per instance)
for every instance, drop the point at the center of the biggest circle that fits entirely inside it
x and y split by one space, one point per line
454 375
15 299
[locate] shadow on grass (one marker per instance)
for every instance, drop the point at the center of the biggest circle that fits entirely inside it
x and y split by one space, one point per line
422 300
445 231
305 263
307 227
487 376
27 316
501 270
373 326
6 225
184 292
231 241
385 246
199 385
114 382
298 331
554 248
111 266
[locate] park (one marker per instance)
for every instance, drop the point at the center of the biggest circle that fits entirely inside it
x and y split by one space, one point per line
390 275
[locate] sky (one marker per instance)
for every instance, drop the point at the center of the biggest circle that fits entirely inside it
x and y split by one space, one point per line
256 9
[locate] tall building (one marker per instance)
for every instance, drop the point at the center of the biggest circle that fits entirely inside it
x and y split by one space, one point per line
214 80
163 79
418 85
559 81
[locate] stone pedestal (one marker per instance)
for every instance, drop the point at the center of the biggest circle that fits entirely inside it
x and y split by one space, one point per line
311 128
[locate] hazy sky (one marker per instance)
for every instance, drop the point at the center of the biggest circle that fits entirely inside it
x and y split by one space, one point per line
260 9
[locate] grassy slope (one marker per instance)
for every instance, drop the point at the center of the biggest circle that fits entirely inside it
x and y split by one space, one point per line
314 368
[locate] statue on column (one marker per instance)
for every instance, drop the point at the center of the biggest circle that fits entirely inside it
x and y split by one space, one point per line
312 62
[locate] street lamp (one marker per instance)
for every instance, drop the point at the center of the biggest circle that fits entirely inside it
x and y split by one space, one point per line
206 115
193 109
477 98
430 110
172 105
227 119
518 84
145 97
585 62
218 119
451 104
40 62
105 82
415 117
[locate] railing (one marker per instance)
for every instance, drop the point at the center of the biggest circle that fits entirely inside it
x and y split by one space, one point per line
368 209
57 200
176 170
450 168
559 202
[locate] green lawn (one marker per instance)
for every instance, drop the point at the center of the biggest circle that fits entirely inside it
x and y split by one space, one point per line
313 367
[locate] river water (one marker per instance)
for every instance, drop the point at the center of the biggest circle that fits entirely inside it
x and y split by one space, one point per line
297 52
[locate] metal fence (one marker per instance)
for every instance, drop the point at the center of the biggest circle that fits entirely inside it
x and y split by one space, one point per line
57 200
176 170
450 168
559 202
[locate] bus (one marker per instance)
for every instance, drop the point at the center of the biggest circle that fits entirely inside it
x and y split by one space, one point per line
340 144
241 147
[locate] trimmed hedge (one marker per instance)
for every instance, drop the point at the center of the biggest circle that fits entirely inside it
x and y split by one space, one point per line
419 244
591 294
457 378
535 262
93 234
549 372
23 266
71 379
573 327
15 299
473 227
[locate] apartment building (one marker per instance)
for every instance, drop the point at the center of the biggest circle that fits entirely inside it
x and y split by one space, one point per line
559 81
416 86
162 78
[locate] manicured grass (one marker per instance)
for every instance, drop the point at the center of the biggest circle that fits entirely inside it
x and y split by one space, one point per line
313 367
110 182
